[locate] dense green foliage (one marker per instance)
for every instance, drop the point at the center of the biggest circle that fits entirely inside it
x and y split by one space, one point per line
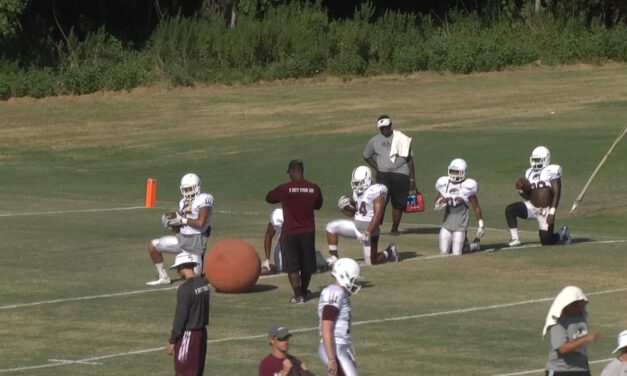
301 40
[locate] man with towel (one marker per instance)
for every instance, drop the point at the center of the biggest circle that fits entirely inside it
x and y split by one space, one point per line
391 156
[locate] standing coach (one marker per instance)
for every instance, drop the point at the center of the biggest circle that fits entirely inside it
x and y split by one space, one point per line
299 198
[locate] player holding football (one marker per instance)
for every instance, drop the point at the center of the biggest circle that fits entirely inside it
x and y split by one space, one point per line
541 187
367 207
455 192
192 223
334 312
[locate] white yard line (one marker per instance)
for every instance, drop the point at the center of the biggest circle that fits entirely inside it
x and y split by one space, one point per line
19 214
93 360
134 292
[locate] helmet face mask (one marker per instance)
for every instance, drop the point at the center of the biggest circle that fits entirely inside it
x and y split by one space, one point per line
190 186
346 273
457 170
540 158
361 179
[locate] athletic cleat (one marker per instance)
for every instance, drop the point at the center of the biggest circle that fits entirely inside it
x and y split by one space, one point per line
514 243
475 246
565 236
330 261
392 253
297 300
308 295
160 281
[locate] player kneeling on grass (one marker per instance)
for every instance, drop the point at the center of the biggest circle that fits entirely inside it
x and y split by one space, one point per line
366 207
541 187
455 192
334 312
191 224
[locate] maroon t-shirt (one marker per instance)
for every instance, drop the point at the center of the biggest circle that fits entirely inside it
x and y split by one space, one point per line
270 365
299 199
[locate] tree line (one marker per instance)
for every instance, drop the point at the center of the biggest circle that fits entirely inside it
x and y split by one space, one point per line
53 47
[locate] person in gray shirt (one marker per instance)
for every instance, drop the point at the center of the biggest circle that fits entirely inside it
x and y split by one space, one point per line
567 325
390 155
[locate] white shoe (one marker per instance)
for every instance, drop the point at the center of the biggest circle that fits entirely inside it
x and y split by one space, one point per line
331 260
160 281
565 236
514 243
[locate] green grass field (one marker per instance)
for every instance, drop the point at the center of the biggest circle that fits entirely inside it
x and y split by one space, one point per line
73 254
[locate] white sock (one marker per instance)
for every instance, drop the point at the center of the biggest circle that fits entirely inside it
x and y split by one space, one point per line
514 233
161 270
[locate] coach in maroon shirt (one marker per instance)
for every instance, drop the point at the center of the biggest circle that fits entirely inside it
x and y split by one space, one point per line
299 198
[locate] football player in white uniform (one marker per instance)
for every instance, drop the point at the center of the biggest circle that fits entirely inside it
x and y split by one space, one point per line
455 192
193 221
334 312
541 198
275 223
367 207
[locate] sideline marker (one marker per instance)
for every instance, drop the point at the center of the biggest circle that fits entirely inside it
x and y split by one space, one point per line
151 192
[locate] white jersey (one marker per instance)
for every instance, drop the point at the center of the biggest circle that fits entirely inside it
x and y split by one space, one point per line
542 178
338 297
190 209
364 203
276 219
456 193
457 197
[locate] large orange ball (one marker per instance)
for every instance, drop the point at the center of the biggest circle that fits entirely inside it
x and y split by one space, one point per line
232 265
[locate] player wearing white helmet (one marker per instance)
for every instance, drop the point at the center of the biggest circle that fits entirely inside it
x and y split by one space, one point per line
455 193
192 224
334 313
366 207
541 188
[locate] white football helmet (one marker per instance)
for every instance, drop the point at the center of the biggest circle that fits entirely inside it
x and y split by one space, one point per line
361 179
346 273
540 158
457 170
190 181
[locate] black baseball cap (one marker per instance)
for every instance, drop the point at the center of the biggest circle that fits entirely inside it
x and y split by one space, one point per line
295 163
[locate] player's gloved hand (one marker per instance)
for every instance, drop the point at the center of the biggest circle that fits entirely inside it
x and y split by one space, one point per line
343 202
481 229
440 204
362 236
164 221
266 264
176 221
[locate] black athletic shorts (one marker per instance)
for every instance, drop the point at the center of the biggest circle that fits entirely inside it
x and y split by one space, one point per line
299 252
398 188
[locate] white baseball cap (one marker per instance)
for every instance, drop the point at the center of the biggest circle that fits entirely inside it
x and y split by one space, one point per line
185 258
622 341
384 122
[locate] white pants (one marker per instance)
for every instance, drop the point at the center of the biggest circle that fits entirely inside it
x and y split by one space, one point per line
451 241
345 358
539 214
170 244
347 229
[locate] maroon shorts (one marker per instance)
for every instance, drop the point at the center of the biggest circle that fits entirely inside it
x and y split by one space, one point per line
190 352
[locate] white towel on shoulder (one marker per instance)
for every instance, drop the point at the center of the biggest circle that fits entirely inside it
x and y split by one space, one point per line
400 145
569 294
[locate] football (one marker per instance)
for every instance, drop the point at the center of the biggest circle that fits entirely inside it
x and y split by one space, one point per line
523 186
169 215
346 206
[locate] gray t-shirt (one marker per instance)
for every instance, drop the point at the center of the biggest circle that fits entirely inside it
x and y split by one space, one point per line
568 328
379 148
615 368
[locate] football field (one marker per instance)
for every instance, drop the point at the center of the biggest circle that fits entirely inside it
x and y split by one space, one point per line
74 261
